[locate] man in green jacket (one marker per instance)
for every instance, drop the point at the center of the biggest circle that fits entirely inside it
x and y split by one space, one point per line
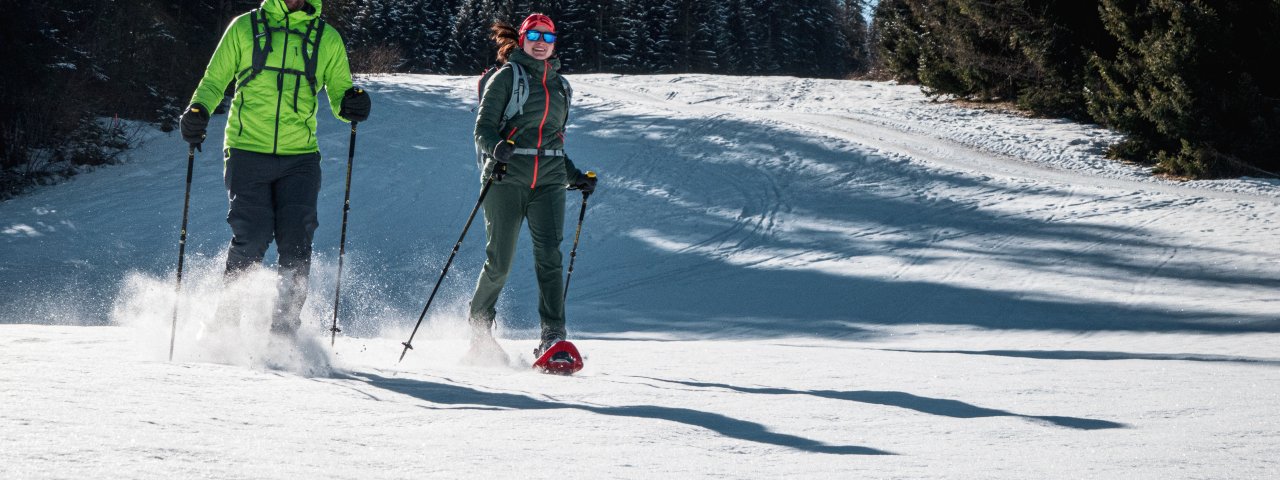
280 56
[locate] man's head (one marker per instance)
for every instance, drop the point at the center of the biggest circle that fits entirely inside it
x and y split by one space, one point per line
294 5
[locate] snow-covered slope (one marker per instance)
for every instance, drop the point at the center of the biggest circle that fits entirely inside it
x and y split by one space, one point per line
778 276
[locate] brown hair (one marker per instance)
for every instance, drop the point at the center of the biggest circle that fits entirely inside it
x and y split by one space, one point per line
505 36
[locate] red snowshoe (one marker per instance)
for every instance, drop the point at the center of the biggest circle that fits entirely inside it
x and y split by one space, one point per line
561 358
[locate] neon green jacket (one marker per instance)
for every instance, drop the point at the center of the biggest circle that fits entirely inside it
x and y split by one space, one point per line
275 113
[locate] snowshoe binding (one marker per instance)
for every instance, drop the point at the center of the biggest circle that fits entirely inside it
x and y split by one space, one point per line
558 357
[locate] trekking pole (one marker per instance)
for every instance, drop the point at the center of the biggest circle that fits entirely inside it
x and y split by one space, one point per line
342 243
573 253
182 245
483 191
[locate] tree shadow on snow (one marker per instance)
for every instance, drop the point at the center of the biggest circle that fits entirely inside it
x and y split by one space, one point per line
733 229
702 226
447 394
1100 355
933 406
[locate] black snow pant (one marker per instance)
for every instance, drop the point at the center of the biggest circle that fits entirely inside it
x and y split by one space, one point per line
274 197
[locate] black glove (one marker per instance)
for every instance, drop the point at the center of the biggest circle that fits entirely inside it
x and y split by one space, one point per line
193 124
503 151
499 171
355 105
586 183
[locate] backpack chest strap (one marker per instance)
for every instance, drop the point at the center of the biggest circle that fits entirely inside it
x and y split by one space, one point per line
262 47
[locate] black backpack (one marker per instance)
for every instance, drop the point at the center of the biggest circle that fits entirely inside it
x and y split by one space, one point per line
262 46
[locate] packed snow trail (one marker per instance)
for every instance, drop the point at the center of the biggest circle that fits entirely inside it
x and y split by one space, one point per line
777 277
811 219
791 206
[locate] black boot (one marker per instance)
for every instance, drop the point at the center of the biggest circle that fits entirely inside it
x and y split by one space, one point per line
485 350
287 317
547 342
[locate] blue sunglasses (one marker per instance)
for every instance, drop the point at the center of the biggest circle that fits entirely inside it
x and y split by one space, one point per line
534 35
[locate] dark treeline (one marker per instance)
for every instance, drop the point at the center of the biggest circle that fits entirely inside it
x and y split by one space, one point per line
72 67
1192 82
69 64
813 38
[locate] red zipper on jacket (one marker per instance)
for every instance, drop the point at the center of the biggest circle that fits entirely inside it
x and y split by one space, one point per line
546 109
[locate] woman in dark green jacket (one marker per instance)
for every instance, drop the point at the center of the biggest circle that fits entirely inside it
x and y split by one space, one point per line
530 172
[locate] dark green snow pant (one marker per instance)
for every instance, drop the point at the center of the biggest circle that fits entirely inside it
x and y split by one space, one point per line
506 207
274 197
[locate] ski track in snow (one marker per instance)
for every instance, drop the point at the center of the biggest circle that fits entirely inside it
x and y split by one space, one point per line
778 277
945 167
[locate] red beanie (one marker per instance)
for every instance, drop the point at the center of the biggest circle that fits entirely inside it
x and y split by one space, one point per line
534 21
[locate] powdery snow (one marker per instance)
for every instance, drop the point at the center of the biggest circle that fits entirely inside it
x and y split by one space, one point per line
778 277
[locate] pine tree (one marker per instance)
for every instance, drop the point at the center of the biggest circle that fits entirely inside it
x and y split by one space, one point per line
552 8
646 28
423 34
724 42
586 34
808 26
628 53
1192 85
749 36
852 23
693 28
895 41
472 48
709 44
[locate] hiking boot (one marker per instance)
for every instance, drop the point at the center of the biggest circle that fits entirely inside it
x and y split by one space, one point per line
285 323
485 351
224 324
547 343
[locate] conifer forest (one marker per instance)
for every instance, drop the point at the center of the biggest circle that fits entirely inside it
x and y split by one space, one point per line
1189 82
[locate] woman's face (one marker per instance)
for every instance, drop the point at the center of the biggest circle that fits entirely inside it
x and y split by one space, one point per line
539 48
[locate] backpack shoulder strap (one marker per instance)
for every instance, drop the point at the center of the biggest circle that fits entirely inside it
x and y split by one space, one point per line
568 98
261 46
484 80
519 92
312 58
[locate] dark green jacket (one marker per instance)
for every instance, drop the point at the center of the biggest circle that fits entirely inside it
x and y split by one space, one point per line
264 117
540 125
